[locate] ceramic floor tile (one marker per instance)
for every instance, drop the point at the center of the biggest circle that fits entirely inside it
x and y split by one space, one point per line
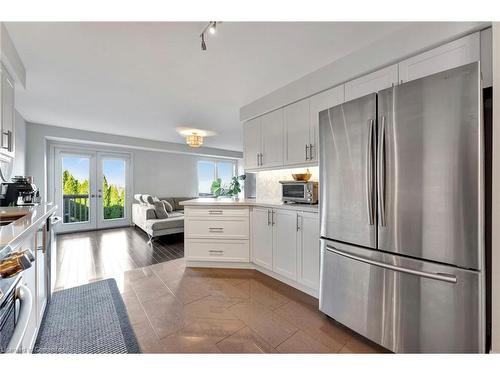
188 289
264 321
165 314
149 287
146 337
245 341
301 342
209 308
222 289
261 293
134 308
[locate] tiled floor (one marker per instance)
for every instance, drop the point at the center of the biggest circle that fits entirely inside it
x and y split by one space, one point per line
176 309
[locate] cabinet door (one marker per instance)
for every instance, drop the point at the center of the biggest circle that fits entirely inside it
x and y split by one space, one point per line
451 55
297 136
251 143
285 243
41 273
7 100
262 238
320 102
272 139
309 250
370 83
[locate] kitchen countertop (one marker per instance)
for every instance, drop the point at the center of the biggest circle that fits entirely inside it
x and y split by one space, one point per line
250 202
13 234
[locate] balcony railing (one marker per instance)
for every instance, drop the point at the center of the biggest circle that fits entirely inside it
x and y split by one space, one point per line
75 208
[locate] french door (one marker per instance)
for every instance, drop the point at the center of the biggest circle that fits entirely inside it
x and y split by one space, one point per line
92 189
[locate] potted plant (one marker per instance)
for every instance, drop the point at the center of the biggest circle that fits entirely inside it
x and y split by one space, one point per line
231 190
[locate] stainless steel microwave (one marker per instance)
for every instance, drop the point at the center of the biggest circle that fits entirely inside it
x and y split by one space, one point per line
299 191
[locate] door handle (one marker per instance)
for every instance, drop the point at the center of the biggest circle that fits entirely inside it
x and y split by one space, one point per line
435 276
268 217
272 217
369 173
307 155
311 151
381 173
297 222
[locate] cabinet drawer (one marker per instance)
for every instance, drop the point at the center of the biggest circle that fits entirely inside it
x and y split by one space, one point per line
218 250
234 228
216 212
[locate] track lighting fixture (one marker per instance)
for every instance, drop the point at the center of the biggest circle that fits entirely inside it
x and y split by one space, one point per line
203 44
212 28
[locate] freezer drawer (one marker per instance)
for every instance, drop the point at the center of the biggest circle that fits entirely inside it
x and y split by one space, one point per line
405 305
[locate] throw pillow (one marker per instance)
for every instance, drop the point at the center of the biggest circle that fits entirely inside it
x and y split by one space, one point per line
160 211
168 206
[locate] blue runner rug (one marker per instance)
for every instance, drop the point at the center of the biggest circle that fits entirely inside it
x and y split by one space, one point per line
87 319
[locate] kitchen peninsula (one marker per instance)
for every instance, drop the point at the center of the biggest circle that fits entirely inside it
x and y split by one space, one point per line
280 240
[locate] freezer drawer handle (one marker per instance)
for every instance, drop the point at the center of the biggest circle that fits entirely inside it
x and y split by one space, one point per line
436 276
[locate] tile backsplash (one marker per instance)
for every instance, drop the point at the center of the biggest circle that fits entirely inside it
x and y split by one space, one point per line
268 187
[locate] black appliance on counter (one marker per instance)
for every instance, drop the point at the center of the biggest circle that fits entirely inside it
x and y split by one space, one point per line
20 192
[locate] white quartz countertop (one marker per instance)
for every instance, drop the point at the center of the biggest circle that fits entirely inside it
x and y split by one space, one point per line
250 202
26 219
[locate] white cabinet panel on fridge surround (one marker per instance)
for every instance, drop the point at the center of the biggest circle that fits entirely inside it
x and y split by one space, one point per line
320 102
308 261
370 83
448 56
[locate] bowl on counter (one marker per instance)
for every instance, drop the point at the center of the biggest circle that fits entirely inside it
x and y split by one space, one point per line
302 176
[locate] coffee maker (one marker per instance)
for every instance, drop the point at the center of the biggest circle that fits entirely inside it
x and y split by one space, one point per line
20 192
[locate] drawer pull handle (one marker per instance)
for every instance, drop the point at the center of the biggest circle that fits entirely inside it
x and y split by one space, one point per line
215 212
216 252
216 229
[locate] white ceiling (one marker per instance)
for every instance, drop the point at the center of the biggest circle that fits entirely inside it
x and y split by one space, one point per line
146 79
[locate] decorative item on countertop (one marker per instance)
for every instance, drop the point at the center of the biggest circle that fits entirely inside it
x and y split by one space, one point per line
302 176
232 189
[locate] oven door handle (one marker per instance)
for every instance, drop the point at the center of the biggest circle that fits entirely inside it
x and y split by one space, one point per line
26 300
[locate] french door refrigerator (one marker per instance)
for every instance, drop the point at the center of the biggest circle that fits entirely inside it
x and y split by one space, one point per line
401 211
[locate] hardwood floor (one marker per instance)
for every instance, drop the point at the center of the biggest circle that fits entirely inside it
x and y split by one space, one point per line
84 257
178 309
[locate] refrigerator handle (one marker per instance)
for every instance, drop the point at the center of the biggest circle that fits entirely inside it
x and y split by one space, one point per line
381 173
435 276
369 173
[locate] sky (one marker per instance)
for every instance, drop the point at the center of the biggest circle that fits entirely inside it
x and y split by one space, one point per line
114 169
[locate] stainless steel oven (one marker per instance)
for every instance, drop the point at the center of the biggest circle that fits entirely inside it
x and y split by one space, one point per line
299 191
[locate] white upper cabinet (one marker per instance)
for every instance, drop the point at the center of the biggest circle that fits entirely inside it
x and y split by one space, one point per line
285 243
370 83
251 143
451 55
297 133
6 113
272 139
320 102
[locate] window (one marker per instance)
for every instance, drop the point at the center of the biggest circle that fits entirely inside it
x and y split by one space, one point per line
209 170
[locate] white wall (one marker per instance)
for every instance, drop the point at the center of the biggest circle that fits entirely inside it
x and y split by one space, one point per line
153 160
19 167
388 50
495 230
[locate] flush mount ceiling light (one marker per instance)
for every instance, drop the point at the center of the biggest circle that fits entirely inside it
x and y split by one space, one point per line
194 137
212 29
194 140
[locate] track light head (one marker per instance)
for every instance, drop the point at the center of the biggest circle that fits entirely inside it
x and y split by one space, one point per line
203 44
213 27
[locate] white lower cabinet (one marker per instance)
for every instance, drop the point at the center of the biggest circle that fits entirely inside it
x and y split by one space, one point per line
262 237
217 234
286 242
309 258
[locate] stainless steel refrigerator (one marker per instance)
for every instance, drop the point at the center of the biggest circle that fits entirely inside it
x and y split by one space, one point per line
401 208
